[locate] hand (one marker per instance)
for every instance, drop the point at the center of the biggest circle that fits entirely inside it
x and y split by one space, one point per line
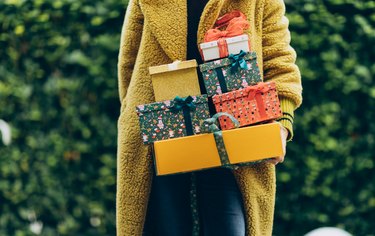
284 135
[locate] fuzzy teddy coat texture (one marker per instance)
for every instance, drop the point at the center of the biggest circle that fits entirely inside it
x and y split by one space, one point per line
154 33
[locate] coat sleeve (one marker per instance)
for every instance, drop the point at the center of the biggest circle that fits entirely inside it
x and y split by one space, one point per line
279 61
131 34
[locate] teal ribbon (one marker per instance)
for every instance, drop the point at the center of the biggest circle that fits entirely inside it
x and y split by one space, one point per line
186 105
210 126
238 61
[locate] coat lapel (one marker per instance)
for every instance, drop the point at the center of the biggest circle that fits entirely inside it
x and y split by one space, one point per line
168 22
210 13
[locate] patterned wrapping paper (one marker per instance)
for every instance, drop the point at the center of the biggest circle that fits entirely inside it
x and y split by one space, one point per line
159 120
226 75
250 105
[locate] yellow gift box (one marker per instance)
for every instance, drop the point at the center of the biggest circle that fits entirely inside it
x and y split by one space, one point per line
179 78
199 152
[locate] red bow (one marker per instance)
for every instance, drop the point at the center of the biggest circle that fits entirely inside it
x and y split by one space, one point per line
225 19
235 23
254 92
256 89
236 26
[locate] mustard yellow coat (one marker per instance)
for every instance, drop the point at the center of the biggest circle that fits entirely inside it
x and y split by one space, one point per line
154 33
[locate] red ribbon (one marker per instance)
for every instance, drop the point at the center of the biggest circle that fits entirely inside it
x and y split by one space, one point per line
236 27
235 23
225 19
256 92
223 48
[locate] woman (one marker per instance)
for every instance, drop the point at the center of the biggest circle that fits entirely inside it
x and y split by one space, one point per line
158 32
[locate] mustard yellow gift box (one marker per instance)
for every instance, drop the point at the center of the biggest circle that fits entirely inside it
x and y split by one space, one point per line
179 78
197 152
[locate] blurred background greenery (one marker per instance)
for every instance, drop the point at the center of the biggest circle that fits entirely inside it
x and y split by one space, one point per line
58 92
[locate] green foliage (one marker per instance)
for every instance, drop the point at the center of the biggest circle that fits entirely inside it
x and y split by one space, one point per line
328 177
58 91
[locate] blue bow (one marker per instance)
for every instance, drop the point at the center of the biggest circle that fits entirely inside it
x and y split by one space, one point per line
186 105
181 103
238 61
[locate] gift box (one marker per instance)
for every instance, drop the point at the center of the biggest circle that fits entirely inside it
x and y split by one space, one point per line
172 118
232 73
224 47
226 37
250 105
176 79
243 146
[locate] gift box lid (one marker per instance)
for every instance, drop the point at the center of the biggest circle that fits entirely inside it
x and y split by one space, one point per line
176 65
239 93
207 45
224 62
240 38
167 104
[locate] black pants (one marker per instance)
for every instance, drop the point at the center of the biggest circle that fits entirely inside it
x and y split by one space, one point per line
219 203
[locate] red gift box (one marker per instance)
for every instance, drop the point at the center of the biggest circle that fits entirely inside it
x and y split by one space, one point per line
250 105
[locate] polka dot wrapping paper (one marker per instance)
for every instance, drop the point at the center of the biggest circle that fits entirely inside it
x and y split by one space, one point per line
250 105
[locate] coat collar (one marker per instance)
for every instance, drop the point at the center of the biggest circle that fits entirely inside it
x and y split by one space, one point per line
168 22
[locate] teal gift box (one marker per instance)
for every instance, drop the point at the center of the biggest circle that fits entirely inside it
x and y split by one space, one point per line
231 73
172 118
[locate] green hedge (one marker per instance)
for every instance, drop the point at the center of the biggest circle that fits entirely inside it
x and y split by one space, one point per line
328 177
58 91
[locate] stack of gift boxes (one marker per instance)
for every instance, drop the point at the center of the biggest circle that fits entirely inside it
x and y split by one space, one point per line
184 136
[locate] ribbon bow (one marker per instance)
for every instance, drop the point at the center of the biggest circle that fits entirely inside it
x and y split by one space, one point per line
238 61
236 27
209 125
186 105
181 103
256 89
224 20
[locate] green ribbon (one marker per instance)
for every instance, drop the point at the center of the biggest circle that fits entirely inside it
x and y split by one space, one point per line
210 126
238 61
186 105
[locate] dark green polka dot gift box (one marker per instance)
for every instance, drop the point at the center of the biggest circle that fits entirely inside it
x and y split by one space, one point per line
231 73
172 118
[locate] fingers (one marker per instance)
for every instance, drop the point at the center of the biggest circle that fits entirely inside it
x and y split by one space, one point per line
284 134
272 161
276 160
